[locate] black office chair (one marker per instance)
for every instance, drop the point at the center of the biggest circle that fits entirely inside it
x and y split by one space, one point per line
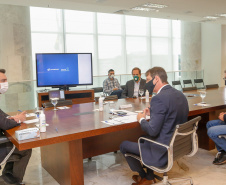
98 89
184 142
186 82
123 87
111 97
211 86
199 81
174 83
9 157
189 89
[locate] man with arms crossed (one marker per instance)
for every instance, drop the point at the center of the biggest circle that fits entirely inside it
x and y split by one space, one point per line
13 172
133 86
111 85
167 109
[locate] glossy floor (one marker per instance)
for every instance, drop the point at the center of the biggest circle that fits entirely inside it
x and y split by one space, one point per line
112 169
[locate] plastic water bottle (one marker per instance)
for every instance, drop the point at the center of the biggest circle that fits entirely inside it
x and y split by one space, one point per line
42 118
101 100
146 96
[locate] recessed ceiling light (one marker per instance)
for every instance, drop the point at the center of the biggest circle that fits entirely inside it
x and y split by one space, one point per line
143 9
221 15
210 17
150 5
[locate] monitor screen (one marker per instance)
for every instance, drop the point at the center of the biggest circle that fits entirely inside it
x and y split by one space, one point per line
57 94
64 69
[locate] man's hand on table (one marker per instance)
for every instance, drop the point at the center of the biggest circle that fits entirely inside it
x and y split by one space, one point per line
19 117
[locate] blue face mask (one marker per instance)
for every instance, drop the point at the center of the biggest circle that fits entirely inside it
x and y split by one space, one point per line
150 86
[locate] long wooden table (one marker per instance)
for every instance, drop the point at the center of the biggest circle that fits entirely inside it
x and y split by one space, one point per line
81 134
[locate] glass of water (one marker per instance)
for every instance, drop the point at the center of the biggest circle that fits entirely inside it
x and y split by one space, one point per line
54 101
38 111
111 107
141 92
202 94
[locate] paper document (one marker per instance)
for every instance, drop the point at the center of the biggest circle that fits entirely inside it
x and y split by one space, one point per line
31 121
64 107
30 115
125 106
130 117
202 104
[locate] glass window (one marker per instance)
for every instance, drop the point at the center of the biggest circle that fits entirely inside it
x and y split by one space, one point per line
109 23
112 44
47 43
176 27
79 22
110 54
79 43
46 19
137 53
160 27
160 46
136 25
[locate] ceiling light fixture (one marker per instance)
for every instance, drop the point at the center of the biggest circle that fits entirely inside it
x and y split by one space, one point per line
211 17
150 5
143 9
221 15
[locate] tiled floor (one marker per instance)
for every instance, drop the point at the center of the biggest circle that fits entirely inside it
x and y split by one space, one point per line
112 169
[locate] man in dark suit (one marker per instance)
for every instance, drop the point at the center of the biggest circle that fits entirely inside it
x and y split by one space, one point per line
13 171
133 86
167 109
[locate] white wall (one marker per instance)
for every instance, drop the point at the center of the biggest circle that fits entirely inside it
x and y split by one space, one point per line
211 53
223 55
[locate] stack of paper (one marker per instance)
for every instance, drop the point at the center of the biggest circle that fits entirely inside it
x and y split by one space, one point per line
126 106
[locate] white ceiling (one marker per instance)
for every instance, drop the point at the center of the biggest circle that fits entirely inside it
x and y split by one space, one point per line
188 10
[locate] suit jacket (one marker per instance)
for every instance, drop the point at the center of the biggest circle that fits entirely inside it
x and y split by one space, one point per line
5 124
167 109
129 89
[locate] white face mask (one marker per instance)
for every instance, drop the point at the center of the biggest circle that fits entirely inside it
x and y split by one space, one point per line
112 76
4 87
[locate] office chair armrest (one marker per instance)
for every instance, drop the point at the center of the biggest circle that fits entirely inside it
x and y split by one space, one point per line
152 141
4 139
222 136
169 153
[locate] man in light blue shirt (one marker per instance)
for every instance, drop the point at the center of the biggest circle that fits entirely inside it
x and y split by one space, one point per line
111 85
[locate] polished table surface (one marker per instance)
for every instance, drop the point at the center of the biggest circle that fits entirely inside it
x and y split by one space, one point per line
82 125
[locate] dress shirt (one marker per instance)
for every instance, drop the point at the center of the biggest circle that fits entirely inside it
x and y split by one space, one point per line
136 89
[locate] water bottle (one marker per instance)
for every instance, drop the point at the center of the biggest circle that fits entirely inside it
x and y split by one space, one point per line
146 96
101 100
42 118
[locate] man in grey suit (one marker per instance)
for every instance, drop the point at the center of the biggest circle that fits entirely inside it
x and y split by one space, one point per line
167 109
13 171
132 87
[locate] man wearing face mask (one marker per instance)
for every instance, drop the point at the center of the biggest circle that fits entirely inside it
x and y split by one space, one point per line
133 86
111 85
167 109
13 172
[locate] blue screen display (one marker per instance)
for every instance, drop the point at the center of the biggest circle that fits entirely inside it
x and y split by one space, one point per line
58 69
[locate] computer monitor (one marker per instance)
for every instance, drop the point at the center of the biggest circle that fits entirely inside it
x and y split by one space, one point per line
64 69
57 94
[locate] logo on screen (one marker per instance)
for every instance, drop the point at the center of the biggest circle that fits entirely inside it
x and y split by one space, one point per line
67 69
52 69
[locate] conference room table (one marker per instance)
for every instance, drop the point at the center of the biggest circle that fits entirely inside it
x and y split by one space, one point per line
78 133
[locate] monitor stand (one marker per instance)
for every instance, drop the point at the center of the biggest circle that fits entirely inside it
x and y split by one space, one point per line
65 88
